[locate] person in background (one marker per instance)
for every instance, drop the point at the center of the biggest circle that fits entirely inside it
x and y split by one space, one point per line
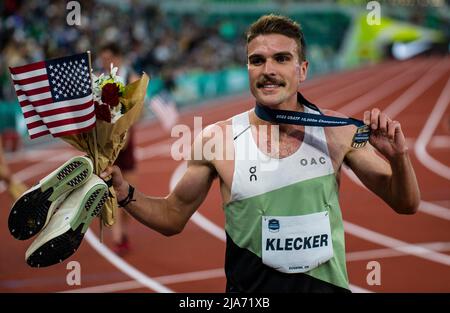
14 187
112 53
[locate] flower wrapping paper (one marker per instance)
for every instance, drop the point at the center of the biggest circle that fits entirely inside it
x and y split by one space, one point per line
104 143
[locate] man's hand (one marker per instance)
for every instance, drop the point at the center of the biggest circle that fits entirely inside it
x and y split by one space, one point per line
387 136
118 182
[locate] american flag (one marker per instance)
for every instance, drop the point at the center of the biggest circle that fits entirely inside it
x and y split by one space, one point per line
165 110
55 95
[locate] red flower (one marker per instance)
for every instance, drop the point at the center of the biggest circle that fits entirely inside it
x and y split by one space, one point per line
110 94
102 112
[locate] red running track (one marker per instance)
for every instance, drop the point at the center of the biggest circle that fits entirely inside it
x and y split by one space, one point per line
413 251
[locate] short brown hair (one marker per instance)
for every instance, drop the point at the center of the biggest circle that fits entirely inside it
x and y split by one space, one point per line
277 24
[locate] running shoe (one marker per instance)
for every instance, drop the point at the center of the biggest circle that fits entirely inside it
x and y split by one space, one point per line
32 211
65 231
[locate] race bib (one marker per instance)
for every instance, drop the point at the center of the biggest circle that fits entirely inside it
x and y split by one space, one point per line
296 244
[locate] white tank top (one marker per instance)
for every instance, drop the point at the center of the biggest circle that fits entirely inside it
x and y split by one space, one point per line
256 173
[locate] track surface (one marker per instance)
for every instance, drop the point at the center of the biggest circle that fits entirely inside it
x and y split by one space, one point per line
413 251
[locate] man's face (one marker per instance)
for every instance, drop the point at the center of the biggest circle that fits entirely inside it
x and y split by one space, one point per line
274 69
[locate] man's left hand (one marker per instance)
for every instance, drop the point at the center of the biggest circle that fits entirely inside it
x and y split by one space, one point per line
386 136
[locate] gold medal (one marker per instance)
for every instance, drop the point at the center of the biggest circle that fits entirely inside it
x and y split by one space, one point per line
361 136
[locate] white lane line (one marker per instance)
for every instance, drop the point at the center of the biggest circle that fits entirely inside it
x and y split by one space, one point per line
402 102
215 230
102 249
436 142
205 223
356 289
160 148
386 241
382 91
167 279
333 79
32 155
418 88
445 203
143 135
364 85
209 226
221 230
389 252
157 149
39 168
440 142
395 108
219 272
123 266
427 132
424 206
219 233
435 210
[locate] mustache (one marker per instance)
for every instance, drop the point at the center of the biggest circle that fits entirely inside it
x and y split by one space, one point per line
265 79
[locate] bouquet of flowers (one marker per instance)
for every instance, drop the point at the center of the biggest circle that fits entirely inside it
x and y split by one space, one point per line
117 107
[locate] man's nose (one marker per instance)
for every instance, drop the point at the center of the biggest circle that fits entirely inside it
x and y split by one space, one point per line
269 67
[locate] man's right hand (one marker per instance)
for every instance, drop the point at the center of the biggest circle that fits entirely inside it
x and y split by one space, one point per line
119 184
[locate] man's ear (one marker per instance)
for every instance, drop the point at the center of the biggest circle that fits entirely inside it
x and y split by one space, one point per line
302 69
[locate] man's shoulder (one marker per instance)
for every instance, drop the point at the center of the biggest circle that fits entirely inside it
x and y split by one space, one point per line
216 133
341 115
333 113
341 135
214 128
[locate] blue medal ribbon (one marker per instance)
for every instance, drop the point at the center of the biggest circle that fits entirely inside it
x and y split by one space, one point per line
307 119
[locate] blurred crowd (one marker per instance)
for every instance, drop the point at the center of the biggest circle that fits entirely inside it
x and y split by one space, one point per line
152 41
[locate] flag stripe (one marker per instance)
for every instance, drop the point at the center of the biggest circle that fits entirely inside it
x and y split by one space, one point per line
62 110
31 74
75 131
38 129
27 68
71 120
29 114
30 80
37 103
32 85
61 104
33 92
63 116
63 129
62 125
37 97
36 124
32 119
28 108
39 134
55 95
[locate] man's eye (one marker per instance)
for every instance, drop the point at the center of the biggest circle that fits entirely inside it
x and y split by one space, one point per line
281 58
256 61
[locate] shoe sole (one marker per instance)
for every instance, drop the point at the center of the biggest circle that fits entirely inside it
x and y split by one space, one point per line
30 213
64 245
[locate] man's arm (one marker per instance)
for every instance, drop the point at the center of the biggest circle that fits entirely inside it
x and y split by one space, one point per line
168 215
393 181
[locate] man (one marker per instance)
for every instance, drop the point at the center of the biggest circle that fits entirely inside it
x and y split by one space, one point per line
284 226
111 53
